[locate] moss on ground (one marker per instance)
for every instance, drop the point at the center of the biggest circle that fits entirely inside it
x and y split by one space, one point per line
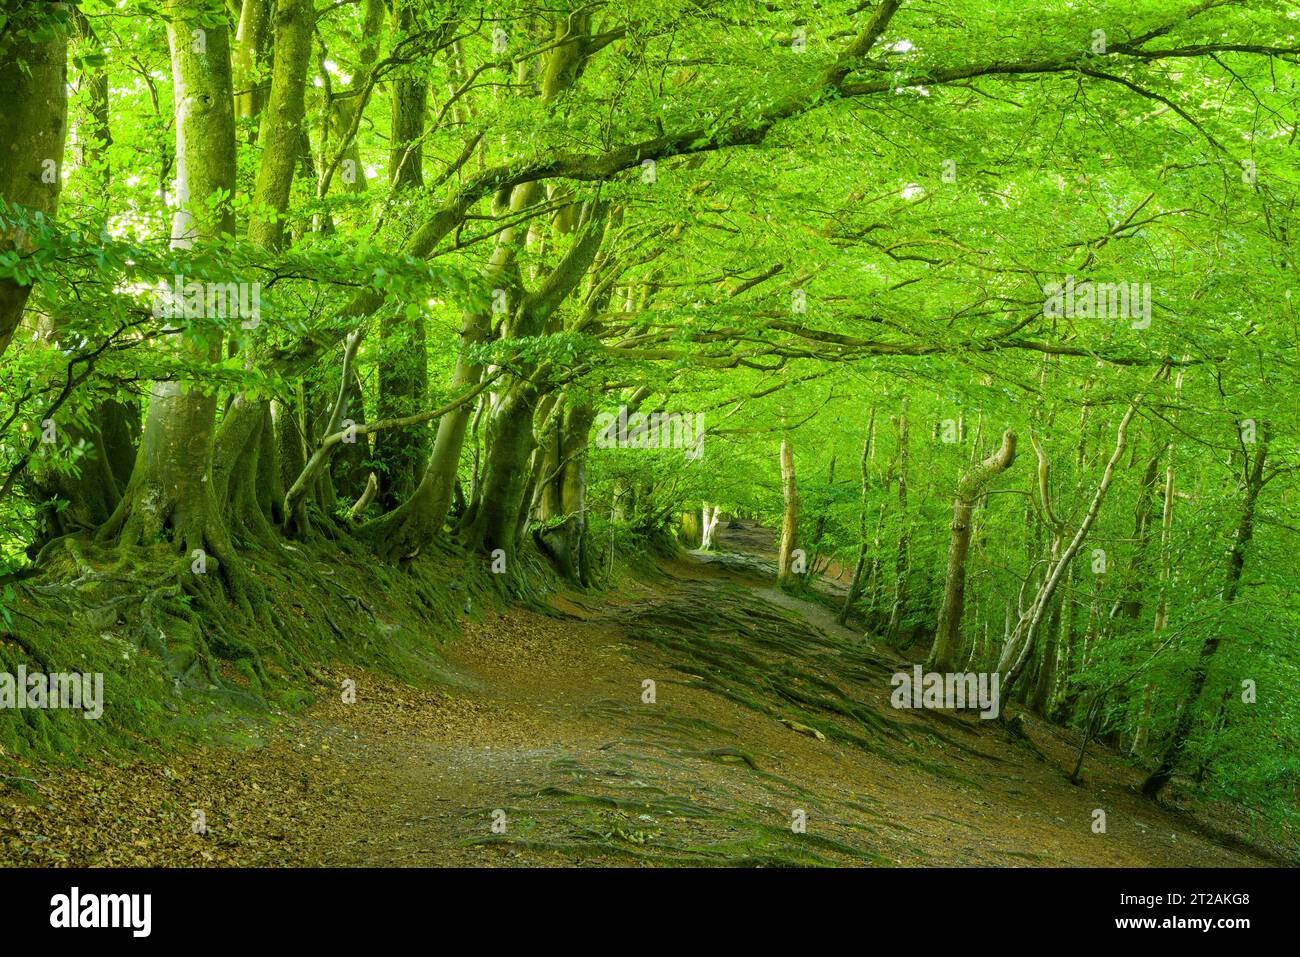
183 663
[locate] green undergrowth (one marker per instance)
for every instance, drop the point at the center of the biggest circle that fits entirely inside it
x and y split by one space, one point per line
188 657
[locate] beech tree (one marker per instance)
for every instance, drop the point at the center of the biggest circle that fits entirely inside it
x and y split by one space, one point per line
288 284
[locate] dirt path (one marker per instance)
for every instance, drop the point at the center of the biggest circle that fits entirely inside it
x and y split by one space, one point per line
765 714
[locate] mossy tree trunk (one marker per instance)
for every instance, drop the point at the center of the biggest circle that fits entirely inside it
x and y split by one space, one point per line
171 496
564 533
251 52
33 89
246 469
415 522
492 520
947 638
281 127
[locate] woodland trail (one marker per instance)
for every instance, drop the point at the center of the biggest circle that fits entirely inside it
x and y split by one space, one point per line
764 707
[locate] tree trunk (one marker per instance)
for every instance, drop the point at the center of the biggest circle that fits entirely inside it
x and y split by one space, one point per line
1017 649
566 542
403 361
1040 697
692 530
421 517
859 567
410 99
1245 531
819 529
403 390
947 638
170 495
33 89
902 559
710 525
83 499
246 449
493 519
252 44
1161 622
282 122
785 574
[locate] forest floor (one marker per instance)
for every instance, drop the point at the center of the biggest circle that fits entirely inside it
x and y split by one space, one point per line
766 712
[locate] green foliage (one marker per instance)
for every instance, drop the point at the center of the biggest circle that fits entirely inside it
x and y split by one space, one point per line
801 258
